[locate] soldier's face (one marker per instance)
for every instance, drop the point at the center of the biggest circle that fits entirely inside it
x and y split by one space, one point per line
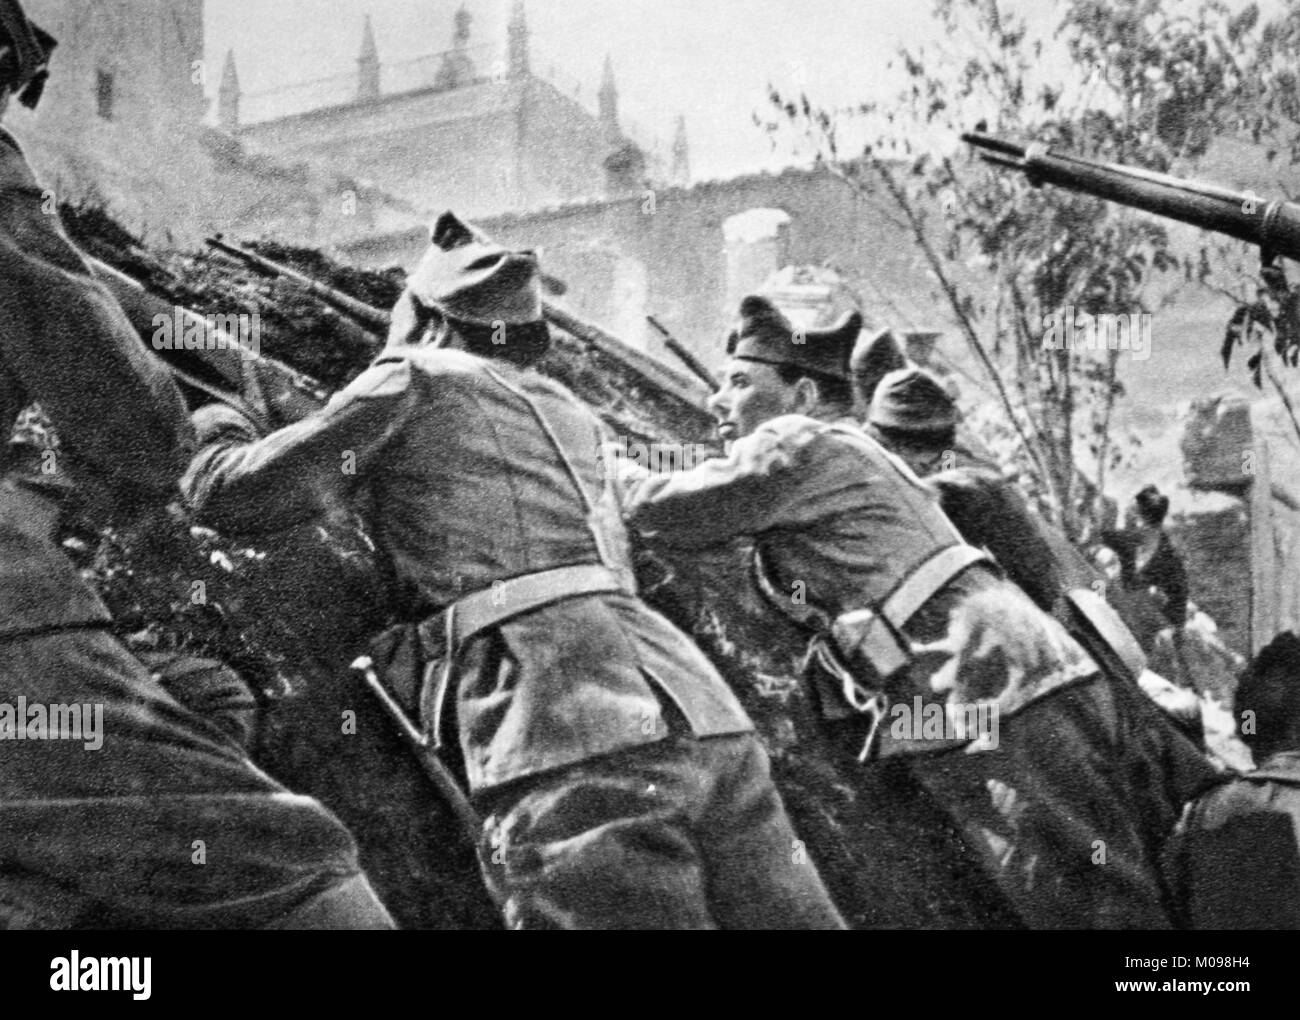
752 393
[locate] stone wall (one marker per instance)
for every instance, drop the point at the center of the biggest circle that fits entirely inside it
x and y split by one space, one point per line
1237 517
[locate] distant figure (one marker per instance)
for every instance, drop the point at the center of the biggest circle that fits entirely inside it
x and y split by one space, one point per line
1234 861
912 414
1148 560
915 418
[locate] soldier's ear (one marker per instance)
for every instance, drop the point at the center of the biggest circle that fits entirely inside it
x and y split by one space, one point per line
807 396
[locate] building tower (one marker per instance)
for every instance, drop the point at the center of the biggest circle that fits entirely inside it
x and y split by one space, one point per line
609 99
456 68
518 45
368 66
681 172
228 97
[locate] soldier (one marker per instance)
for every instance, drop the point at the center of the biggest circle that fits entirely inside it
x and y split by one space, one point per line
1064 785
874 357
130 811
1235 859
618 779
915 417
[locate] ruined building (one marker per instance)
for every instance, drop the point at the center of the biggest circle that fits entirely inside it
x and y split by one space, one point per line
475 128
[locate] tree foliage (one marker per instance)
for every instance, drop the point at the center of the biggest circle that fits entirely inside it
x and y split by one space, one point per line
1141 82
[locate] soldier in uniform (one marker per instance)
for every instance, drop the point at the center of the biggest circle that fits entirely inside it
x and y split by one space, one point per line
618 780
1234 861
1068 788
156 818
915 417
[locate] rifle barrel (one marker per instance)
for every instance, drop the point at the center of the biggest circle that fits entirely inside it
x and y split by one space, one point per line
375 319
685 356
1273 225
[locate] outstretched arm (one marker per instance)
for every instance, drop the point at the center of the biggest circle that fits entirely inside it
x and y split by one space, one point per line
245 484
70 347
744 493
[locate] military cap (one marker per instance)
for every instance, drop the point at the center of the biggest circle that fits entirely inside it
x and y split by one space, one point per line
764 334
912 400
470 278
874 357
25 50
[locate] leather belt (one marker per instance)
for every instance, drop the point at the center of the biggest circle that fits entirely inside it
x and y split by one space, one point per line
899 606
462 619
918 587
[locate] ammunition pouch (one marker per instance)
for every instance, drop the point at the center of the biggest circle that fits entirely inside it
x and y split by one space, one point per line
852 657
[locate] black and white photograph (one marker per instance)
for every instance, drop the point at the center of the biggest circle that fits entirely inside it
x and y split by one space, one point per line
650 464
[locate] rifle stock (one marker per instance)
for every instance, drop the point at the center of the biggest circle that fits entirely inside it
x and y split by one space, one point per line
1274 226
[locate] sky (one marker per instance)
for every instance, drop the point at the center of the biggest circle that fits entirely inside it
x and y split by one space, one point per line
708 60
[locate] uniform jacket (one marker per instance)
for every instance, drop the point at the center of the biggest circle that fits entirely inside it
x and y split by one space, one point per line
66 344
466 489
103 835
1234 861
833 510
991 514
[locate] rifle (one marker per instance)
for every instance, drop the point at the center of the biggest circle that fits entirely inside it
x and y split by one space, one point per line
1274 226
686 357
649 370
420 746
374 320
